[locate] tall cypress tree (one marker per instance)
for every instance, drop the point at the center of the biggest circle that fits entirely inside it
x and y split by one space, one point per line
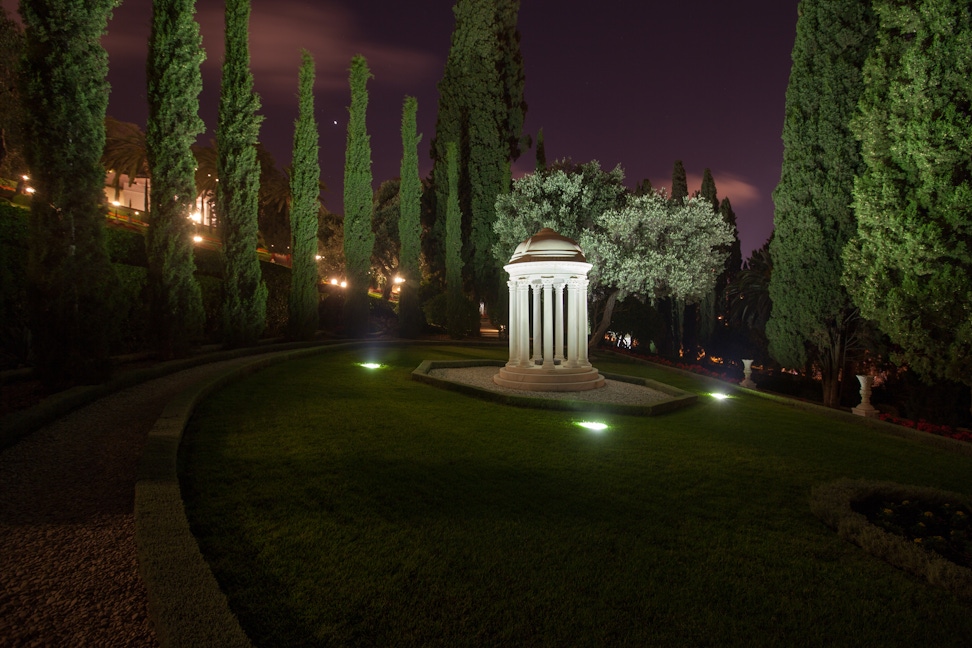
813 318
410 317
359 239
481 109
244 293
174 83
541 153
708 189
909 268
679 183
304 192
68 272
455 300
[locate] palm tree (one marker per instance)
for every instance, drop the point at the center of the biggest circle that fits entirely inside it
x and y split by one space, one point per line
125 154
749 300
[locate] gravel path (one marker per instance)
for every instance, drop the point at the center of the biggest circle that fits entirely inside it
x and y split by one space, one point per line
68 566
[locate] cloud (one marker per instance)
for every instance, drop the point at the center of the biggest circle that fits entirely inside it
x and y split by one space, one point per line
740 192
280 30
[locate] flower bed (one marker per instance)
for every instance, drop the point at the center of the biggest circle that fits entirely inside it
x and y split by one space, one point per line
932 428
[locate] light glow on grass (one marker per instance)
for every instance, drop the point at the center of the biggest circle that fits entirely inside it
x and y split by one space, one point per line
593 426
370 365
719 396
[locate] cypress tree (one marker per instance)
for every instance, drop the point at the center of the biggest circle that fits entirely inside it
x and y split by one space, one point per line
359 239
174 83
11 109
541 153
909 268
455 303
304 192
68 272
679 183
813 317
708 189
734 263
481 110
244 293
410 317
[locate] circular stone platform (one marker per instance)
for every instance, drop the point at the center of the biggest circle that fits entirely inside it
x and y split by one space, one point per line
558 379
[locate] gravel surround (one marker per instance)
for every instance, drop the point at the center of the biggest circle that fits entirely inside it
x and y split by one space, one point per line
69 572
614 391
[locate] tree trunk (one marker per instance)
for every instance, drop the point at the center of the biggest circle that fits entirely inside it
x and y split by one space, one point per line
831 388
598 334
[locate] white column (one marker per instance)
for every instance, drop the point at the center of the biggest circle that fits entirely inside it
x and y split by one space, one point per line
512 332
523 314
559 323
537 319
572 323
582 324
548 329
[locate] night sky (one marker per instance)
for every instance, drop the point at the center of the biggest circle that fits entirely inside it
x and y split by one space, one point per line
629 82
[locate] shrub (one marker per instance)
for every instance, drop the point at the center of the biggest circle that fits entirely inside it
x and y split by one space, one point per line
436 314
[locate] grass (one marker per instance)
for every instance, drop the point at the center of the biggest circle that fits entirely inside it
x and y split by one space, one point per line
344 506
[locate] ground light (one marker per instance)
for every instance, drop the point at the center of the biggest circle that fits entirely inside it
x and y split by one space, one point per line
719 396
370 365
593 426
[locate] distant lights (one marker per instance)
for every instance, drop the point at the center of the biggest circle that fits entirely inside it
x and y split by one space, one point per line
197 238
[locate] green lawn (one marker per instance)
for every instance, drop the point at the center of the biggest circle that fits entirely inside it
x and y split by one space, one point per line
344 506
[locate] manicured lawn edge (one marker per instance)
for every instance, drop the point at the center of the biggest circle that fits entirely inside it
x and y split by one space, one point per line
831 503
19 425
186 605
679 398
925 438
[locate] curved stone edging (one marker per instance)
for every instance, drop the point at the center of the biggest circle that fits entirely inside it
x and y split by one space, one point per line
186 605
832 504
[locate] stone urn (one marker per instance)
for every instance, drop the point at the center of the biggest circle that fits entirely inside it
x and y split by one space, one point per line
865 408
747 380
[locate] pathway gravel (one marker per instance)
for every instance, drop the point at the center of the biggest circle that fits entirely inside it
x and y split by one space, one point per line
68 565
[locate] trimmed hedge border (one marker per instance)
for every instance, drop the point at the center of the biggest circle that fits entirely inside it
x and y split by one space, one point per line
832 502
678 398
18 425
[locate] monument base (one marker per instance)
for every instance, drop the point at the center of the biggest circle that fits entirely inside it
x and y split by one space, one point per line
558 379
867 410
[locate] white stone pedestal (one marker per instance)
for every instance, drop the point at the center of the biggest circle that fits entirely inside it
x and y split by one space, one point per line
865 408
747 380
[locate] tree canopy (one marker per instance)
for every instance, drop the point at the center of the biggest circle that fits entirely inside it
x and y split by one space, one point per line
304 190
812 314
647 246
481 110
359 239
909 268
174 84
245 293
70 279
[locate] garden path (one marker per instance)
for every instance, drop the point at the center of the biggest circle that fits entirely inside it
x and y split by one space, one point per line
68 564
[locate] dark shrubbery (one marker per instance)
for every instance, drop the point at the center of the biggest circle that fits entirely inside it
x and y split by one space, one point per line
436 314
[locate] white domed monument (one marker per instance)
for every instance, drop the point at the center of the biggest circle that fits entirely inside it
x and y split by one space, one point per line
548 285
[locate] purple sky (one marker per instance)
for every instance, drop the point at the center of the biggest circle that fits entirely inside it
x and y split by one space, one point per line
626 82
